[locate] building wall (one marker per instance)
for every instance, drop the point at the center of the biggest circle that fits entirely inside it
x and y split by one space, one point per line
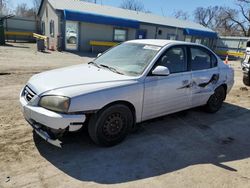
47 14
168 32
151 30
20 24
90 31
101 32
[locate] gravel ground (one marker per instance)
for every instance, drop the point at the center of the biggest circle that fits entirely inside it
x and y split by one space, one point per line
186 149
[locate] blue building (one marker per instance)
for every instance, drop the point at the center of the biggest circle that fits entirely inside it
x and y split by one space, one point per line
76 23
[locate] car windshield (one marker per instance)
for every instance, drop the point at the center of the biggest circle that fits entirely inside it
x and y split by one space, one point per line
128 58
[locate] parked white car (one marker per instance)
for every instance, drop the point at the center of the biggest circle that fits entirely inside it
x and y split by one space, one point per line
71 37
133 82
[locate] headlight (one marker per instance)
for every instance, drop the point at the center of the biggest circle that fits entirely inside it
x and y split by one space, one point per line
55 103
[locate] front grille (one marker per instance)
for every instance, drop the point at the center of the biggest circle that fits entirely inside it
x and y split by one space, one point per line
28 93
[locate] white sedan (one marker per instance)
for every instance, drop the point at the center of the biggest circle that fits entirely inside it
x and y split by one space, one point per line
133 82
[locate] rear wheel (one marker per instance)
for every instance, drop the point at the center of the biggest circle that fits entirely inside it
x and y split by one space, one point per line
216 100
111 125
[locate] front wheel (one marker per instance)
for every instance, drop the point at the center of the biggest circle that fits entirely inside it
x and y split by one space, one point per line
216 100
111 125
72 40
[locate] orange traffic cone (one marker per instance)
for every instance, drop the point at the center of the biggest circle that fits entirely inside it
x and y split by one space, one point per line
226 60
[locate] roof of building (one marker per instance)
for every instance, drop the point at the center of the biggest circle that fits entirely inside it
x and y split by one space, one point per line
91 8
234 38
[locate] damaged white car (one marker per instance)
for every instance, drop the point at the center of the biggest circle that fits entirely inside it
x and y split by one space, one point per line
133 82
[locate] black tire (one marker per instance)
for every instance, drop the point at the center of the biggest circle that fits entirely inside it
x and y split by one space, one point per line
216 100
72 40
246 78
111 125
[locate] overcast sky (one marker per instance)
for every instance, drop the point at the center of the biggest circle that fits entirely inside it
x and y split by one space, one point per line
160 7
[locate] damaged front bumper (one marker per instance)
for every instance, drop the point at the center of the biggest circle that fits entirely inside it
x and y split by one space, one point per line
47 123
44 134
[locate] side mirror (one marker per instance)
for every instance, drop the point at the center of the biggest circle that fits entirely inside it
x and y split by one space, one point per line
99 54
161 71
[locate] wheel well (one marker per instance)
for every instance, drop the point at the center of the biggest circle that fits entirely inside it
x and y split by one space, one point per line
126 103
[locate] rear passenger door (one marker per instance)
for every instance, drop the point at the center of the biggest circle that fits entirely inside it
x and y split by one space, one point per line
205 74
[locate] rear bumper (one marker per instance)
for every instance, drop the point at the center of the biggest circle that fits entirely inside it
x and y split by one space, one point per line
230 85
230 80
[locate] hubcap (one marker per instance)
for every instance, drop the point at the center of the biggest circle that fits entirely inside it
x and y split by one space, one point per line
113 125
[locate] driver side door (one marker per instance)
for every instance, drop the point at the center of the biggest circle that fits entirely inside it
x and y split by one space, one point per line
167 94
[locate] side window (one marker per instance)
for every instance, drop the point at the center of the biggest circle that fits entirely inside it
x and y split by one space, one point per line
52 28
43 28
172 37
120 35
202 59
174 59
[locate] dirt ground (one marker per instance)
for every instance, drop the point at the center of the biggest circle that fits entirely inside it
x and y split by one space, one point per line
187 149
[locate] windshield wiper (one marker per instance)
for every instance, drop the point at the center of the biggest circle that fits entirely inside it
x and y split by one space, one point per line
93 63
111 68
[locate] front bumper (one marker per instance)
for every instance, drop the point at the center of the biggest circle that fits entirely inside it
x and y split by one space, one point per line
43 134
38 117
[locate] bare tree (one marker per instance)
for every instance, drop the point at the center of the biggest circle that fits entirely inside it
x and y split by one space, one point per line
1 6
240 17
24 11
207 16
36 4
244 1
135 5
217 19
180 14
4 7
225 26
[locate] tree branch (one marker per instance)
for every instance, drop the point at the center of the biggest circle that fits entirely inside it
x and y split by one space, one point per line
243 13
241 24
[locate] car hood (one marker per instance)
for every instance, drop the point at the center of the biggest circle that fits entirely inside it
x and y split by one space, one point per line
77 75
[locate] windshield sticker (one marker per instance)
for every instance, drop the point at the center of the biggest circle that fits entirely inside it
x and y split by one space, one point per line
149 47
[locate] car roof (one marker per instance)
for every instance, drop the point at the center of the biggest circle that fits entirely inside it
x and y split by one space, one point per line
160 42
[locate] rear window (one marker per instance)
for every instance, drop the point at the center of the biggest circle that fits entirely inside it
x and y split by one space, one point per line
202 59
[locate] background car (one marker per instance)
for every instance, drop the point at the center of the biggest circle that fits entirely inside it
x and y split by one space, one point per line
133 82
246 66
71 37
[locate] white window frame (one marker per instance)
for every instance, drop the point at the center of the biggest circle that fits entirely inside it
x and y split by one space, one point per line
52 28
117 39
